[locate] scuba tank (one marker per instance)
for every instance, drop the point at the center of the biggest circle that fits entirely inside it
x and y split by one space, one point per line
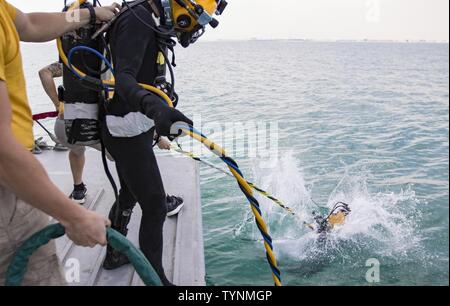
81 99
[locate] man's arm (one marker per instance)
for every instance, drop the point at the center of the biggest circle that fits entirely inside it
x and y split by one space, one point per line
42 27
25 176
47 76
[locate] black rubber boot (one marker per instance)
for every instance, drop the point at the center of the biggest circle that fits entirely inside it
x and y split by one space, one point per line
115 259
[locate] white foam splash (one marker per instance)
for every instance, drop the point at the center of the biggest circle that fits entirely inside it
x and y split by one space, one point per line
380 224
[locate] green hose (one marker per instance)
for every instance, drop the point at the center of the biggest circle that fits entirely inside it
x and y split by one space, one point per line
18 267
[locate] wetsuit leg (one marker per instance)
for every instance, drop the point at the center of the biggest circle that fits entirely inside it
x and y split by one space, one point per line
126 198
120 217
138 168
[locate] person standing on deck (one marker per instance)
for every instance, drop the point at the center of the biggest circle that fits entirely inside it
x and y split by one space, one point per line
27 195
77 158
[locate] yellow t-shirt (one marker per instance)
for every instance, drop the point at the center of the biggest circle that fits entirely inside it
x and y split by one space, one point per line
11 72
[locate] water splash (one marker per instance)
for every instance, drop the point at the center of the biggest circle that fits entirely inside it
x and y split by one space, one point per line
287 184
381 224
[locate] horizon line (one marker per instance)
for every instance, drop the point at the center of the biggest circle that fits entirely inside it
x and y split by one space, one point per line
308 40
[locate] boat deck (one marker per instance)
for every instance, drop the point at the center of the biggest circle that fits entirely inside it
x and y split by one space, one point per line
183 257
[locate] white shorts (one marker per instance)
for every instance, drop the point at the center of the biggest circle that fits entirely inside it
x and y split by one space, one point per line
60 133
18 222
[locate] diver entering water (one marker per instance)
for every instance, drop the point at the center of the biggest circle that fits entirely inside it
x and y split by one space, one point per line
138 40
325 224
336 217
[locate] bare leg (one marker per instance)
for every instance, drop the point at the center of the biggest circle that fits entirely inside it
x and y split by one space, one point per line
77 162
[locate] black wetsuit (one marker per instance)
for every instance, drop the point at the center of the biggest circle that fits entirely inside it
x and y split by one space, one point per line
134 50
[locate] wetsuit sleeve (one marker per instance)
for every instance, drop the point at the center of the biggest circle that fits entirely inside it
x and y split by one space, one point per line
133 40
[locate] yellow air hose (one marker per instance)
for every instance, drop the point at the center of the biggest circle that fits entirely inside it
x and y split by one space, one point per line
245 187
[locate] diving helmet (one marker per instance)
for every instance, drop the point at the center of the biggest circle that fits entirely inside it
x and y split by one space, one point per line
188 18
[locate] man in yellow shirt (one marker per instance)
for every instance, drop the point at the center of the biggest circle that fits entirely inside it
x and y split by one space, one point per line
26 192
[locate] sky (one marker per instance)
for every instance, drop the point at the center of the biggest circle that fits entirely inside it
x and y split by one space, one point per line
317 19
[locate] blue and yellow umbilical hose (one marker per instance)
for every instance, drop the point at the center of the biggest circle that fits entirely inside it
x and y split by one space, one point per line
248 192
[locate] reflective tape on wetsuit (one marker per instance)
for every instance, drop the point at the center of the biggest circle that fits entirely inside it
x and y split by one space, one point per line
133 124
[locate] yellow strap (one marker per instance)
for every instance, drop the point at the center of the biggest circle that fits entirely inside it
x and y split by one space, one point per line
160 59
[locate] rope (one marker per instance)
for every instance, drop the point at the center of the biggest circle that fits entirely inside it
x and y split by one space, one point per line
18 267
45 115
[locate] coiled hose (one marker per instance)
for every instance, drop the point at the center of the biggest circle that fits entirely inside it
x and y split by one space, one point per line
18 267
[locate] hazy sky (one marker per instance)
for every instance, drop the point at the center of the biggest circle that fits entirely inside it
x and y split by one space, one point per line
318 19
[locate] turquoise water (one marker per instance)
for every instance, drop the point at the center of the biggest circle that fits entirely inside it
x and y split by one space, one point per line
364 123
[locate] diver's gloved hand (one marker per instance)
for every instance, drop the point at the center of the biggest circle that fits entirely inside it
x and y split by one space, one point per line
165 117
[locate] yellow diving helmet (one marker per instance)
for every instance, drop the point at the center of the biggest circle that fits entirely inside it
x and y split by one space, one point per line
190 17
338 214
337 218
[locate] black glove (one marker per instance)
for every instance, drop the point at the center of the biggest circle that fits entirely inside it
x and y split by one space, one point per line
164 116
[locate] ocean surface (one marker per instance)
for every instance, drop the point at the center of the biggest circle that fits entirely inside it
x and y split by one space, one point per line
363 123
